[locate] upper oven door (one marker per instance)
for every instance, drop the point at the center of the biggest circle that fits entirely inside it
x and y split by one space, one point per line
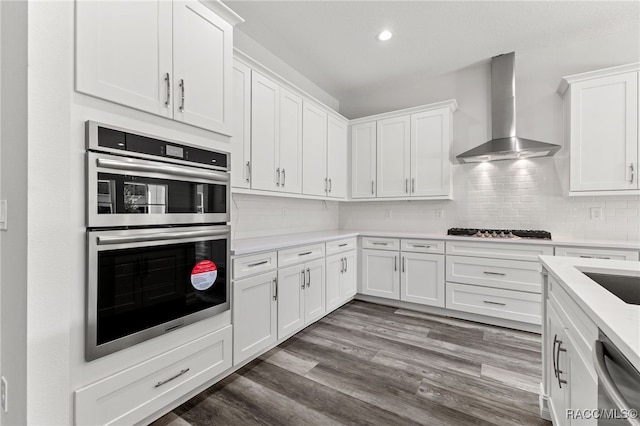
125 191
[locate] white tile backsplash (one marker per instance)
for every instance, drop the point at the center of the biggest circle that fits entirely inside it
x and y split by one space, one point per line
522 194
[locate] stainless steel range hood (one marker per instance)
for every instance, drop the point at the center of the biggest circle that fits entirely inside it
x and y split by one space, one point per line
505 145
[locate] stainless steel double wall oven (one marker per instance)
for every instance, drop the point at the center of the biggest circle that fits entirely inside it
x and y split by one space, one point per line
158 239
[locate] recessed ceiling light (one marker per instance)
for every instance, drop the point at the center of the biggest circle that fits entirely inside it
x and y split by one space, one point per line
385 35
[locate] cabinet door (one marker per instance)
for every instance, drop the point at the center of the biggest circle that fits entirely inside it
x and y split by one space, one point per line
265 98
380 273
124 53
335 270
241 139
558 365
290 146
202 64
255 316
393 153
314 150
349 277
422 279
430 140
290 300
363 160
584 385
337 157
604 133
314 295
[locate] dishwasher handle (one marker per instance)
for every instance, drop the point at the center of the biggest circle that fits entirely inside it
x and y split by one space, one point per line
609 387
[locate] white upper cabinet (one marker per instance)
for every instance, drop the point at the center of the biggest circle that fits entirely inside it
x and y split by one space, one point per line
337 157
290 142
265 132
430 141
403 154
602 112
363 160
393 154
241 139
124 53
172 59
314 152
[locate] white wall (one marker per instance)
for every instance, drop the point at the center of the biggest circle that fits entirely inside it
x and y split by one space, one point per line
261 216
252 48
512 194
13 169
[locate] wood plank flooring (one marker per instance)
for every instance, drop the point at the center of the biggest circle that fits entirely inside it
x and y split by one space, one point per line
367 364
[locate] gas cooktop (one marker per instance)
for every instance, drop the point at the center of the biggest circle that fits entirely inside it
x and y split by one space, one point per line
500 233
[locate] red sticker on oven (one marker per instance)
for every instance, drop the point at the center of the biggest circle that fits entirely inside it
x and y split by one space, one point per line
204 274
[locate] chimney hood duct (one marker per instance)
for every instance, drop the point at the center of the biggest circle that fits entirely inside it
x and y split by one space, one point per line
505 145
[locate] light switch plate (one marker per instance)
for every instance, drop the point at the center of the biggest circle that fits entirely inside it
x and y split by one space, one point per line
3 214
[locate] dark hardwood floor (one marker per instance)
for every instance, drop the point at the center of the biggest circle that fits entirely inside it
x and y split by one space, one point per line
374 365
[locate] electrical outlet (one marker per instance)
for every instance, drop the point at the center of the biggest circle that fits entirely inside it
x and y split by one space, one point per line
596 213
387 214
4 388
439 213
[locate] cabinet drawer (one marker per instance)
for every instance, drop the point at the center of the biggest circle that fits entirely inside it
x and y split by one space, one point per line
246 266
506 250
137 392
597 253
340 246
422 246
498 273
494 302
379 243
300 254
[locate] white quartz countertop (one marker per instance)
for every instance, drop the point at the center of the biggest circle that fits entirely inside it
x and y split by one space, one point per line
618 320
255 245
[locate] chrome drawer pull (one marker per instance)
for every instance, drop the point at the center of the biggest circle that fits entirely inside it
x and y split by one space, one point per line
420 246
379 244
251 265
494 273
342 245
185 371
305 253
494 303
167 79
275 289
586 257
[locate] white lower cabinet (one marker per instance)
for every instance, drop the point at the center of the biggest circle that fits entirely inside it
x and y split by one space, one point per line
133 394
380 276
422 279
341 279
301 296
255 315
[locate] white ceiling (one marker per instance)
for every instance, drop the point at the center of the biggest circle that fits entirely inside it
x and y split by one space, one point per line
333 43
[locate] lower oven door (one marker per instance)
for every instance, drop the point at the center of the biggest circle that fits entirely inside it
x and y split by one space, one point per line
127 191
143 283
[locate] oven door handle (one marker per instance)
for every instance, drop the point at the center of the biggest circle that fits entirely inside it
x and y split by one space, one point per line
160 236
609 387
165 169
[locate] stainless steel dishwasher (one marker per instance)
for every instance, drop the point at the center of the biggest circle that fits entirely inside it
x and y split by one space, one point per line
618 385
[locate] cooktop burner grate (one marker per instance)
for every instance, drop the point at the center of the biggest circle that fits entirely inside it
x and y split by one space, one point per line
500 233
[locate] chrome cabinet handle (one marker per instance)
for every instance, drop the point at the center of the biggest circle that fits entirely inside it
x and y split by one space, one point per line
275 289
413 185
346 264
283 178
181 95
278 176
406 186
167 79
553 355
305 253
420 246
342 265
303 280
326 185
342 245
560 380
330 185
379 244
251 265
308 278
404 263
372 188
632 172
182 372
494 303
494 273
395 263
248 171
